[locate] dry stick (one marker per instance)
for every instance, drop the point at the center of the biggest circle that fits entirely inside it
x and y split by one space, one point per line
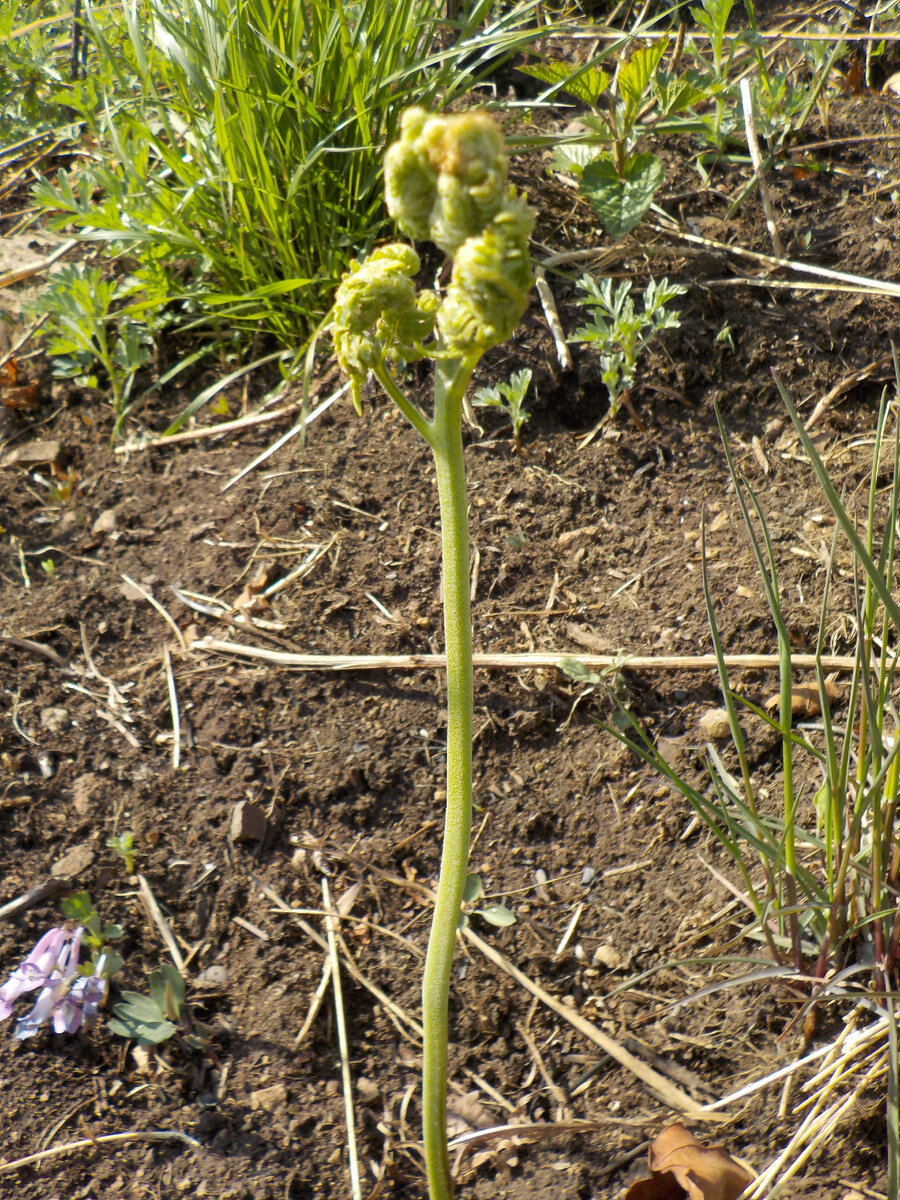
758 167
874 287
155 914
37 268
105 1139
674 1097
518 662
173 705
193 435
548 303
349 1117
159 608
408 1026
33 897
306 419
35 648
26 337
315 1004
873 369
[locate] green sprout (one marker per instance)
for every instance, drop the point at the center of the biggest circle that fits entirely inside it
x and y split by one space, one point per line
620 332
445 180
123 844
509 398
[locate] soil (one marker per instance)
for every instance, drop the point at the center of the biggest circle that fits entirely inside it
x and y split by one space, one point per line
624 902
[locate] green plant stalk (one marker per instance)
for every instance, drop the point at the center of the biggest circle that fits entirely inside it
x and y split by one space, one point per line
451 378
444 436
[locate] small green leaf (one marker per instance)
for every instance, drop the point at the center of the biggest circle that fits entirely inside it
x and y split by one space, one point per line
473 890
620 203
136 1007
578 671
151 1032
496 914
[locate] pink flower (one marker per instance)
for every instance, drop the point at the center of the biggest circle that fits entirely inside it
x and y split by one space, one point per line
66 997
35 971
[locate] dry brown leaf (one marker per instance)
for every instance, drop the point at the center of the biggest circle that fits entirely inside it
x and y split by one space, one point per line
251 600
683 1169
804 699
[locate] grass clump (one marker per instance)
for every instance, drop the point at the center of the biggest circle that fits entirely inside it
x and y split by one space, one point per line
240 168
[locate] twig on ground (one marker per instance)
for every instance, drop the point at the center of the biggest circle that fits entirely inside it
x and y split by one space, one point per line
331 926
33 897
874 287
871 371
551 313
194 435
315 1003
518 662
35 648
558 1093
155 914
104 1139
286 437
173 705
303 570
251 928
759 166
37 268
23 340
151 599
673 1096
408 1026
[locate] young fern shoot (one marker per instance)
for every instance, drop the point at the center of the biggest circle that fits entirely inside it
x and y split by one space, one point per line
445 182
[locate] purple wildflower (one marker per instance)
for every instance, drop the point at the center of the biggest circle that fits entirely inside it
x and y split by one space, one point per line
81 1004
65 996
35 971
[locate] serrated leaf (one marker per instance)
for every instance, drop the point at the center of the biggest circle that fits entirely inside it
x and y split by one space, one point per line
675 95
574 156
634 78
496 914
620 203
585 84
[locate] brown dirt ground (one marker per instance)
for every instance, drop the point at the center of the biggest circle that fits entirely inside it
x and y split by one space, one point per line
348 767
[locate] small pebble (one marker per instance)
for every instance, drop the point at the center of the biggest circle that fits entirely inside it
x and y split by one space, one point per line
714 724
369 1091
587 875
248 822
269 1098
607 956
55 719
106 522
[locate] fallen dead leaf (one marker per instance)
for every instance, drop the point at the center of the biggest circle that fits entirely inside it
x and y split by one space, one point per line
804 699
251 600
683 1169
